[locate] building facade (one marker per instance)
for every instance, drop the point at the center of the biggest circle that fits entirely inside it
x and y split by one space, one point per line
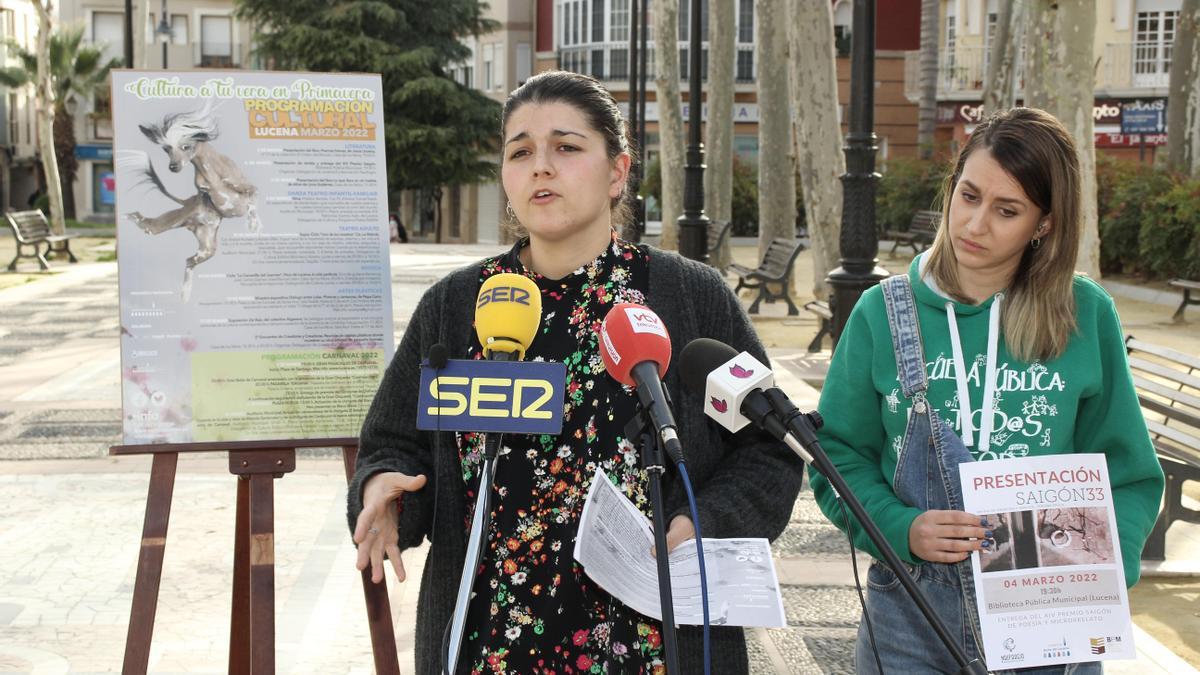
1132 44
592 37
199 34
19 164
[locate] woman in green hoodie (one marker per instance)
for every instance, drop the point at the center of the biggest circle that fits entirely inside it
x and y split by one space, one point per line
990 347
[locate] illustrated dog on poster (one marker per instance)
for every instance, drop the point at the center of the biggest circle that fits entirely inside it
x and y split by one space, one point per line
222 190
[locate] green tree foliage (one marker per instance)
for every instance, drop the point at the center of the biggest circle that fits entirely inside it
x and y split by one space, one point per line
908 186
77 70
438 132
745 194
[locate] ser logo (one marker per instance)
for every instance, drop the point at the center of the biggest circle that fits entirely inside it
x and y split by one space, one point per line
503 294
493 396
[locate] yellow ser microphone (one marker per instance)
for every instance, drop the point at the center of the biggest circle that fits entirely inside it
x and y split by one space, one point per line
508 312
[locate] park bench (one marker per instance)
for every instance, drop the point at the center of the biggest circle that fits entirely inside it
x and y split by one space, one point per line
718 232
1168 387
1187 286
775 268
919 234
31 229
824 315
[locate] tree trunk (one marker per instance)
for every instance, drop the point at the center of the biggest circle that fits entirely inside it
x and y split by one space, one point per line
718 177
776 172
68 166
819 157
45 117
1183 118
1060 79
927 110
1006 44
670 117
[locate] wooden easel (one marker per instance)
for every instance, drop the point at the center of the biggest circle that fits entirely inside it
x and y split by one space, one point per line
252 620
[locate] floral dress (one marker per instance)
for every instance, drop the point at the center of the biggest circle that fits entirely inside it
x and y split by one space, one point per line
534 609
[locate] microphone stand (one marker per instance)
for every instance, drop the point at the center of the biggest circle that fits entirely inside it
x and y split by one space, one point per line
803 427
477 544
654 462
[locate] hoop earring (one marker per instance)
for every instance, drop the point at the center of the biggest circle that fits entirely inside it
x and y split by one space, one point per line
1036 243
508 210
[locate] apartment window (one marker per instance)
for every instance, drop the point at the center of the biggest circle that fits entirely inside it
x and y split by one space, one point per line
179 29
746 22
598 64
108 32
14 122
597 20
843 20
951 39
8 27
489 65
524 62
619 21
618 64
576 21
745 65
102 114
216 42
499 70
1154 35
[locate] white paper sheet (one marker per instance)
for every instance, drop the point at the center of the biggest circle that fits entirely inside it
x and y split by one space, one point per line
614 544
1050 586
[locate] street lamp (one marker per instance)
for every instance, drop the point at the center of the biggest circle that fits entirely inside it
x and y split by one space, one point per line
164 33
859 239
693 224
637 111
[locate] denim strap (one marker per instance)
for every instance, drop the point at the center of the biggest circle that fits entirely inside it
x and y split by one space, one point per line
906 335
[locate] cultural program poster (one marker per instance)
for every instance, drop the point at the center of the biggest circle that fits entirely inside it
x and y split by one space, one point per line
252 253
1050 587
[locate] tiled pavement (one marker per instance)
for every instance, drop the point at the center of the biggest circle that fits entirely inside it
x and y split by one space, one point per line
70 517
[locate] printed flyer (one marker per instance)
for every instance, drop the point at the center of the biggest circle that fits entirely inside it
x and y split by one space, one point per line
253 256
1050 586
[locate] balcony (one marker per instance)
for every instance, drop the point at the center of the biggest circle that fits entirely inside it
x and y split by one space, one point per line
609 61
1123 67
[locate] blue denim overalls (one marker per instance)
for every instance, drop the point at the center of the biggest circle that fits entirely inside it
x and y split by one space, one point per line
926 478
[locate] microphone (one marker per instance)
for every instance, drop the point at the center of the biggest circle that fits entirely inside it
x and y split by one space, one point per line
439 356
508 312
738 390
636 350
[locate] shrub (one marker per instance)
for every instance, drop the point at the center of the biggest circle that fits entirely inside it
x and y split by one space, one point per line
907 186
1169 239
745 194
1125 191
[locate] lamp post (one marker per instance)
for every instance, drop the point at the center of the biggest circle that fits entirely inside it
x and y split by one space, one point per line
859 241
164 33
128 33
637 111
693 224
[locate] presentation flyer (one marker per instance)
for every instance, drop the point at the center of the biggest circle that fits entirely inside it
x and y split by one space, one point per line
1050 586
252 252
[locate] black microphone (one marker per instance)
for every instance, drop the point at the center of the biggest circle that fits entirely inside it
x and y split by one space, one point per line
738 390
439 356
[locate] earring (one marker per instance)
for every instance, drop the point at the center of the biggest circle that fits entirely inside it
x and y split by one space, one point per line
1036 243
508 210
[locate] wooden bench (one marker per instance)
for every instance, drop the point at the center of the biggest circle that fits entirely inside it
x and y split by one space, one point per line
825 316
31 229
1187 286
775 268
919 234
1168 387
718 232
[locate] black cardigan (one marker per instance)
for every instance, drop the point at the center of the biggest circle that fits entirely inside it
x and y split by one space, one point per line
745 484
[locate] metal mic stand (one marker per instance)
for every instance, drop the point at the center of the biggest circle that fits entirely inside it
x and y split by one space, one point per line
476 547
477 544
803 427
654 461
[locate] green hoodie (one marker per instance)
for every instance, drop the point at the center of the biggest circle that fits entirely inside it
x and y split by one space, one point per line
1082 401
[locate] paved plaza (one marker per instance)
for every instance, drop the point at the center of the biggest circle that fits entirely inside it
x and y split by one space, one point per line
71 516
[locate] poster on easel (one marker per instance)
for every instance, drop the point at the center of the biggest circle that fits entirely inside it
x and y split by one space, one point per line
253 254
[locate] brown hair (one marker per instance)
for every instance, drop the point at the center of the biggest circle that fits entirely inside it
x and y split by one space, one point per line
598 106
1038 315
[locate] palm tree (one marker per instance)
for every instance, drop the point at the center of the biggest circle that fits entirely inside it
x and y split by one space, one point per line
76 69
